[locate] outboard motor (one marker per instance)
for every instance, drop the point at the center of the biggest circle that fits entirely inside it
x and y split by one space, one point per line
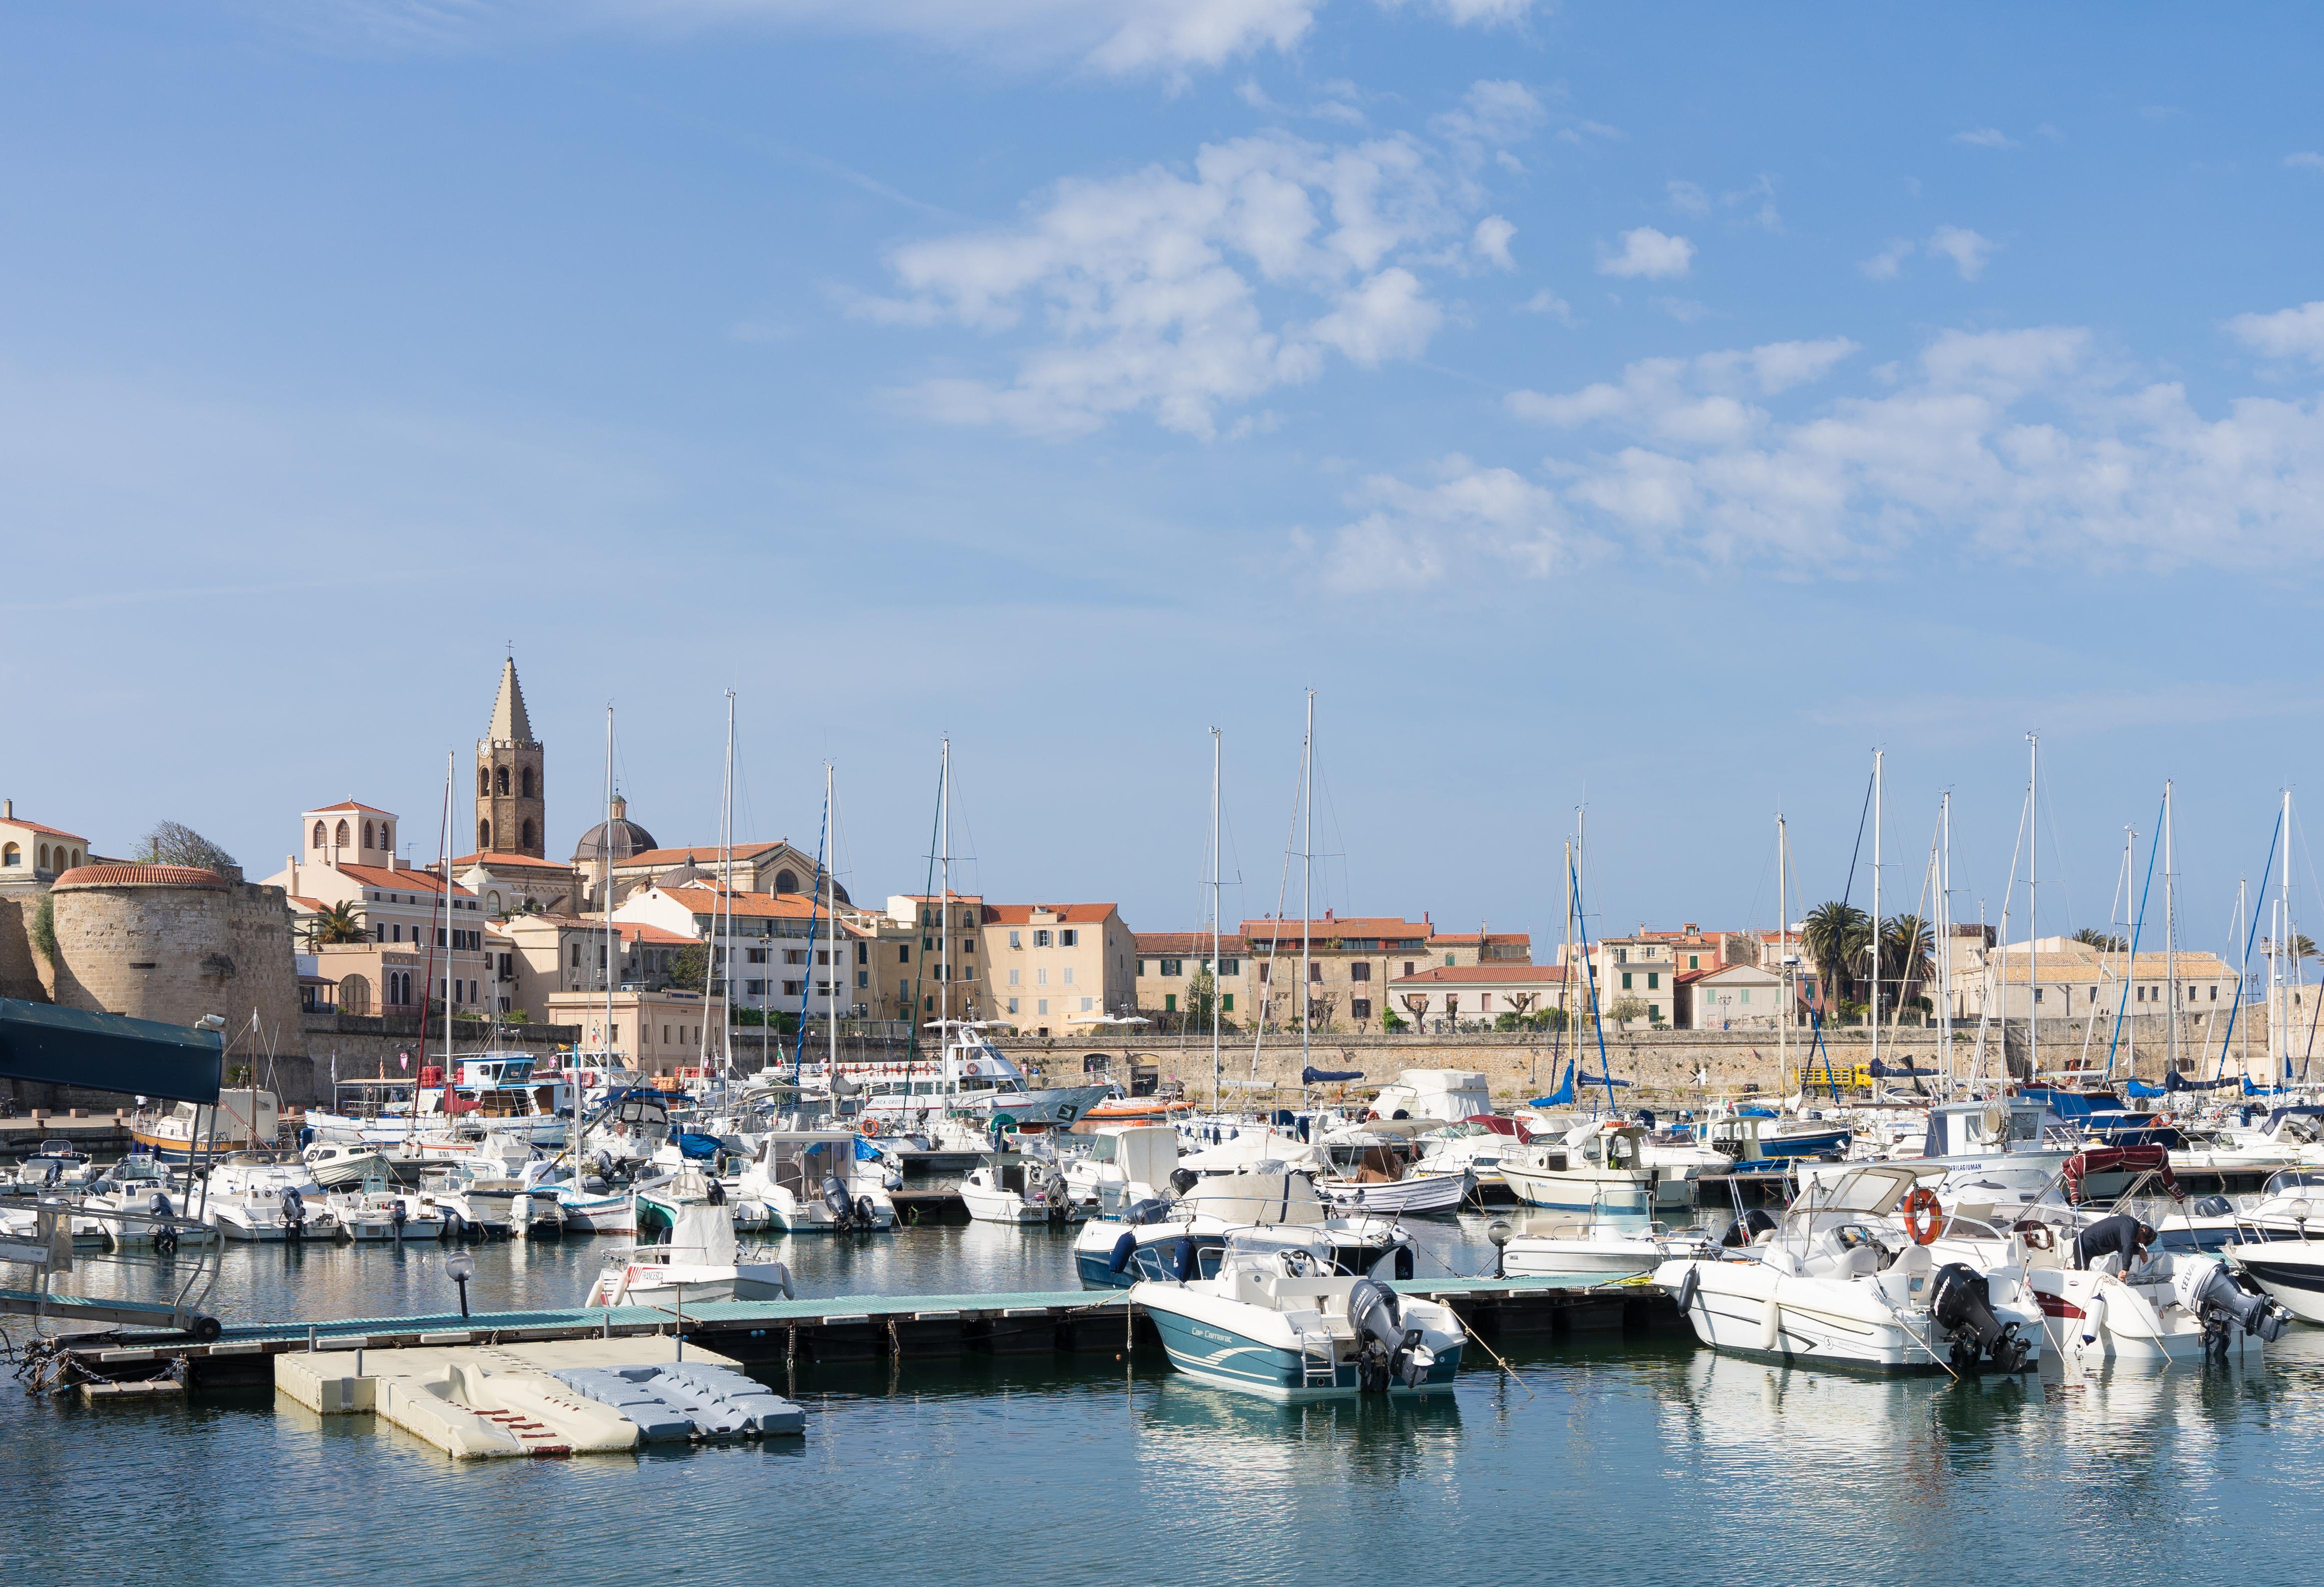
834 1197
2214 1206
866 1214
398 1217
1962 1305
1389 1351
294 1215
165 1239
2224 1299
1183 1179
715 1191
1747 1228
1152 1210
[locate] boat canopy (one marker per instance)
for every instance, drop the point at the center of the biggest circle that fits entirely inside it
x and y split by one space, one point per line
48 1045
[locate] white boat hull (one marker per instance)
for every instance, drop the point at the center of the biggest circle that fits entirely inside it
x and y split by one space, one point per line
1435 1193
1749 1308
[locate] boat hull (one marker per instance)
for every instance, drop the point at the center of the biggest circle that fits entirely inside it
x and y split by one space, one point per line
1210 1354
2293 1276
1435 1193
1745 1308
1630 1195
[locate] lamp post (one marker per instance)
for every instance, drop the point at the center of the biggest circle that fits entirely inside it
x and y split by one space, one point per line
462 1267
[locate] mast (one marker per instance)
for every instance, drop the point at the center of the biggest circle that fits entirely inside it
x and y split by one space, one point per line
2281 1059
1783 959
1877 798
1307 887
944 895
831 908
444 891
1565 981
726 889
2032 899
605 894
1217 910
2170 946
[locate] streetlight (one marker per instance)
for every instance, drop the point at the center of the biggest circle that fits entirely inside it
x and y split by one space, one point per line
463 1268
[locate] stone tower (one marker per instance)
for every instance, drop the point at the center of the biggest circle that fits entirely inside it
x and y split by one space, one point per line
511 797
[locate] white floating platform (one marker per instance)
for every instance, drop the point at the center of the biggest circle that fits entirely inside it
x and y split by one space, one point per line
547 1397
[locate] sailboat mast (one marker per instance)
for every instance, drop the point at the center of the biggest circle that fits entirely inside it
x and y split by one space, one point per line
1218 979
831 910
2243 964
444 890
1877 797
2032 904
1783 960
726 888
2170 942
606 889
944 894
1307 884
1945 935
2281 1059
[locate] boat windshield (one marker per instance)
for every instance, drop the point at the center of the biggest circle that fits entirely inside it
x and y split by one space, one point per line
2291 1179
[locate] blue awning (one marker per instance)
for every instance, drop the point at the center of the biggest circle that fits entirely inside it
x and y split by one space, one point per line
53 1046
1311 1076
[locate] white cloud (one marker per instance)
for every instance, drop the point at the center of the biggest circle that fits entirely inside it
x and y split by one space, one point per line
1143 293
1410 533
1549 303
1491 240
2305 160
1648 253
1986 138
1492 112
1884 265
1967 250
1683 398
2288 333
1687 198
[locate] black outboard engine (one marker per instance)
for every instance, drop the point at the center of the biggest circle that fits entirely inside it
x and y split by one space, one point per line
866 1214
1389 1351
294 1216
1962 1306
834 1197
165 1238
1152 1210
1183 1179
1747 1228
2224 1301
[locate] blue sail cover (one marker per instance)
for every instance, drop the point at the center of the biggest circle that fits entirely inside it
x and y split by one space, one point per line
1561 1097
1882 1069
2175 1081
1311 1076
2140 1088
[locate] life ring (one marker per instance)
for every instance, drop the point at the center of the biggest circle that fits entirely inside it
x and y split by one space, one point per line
1924 1215
870 1125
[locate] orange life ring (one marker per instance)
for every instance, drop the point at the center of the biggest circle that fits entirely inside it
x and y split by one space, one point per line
1924 1215
871 1124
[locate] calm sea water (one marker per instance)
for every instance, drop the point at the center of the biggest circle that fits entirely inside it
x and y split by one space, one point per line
1630 1460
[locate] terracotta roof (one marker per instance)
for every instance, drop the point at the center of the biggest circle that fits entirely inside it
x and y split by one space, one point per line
1186 944
140 875
701 854
376 876
499 861
1067 914
349 805
1259 932
314 904
635 932
764 905
44 831
1488 974
1489 938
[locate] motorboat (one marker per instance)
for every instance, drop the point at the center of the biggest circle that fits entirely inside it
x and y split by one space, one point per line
1123 1163
1444 1096
1827 1287
187 1130
2001 1134
58 1165
1369 1170
1473 1147
265 1196
1757 1139
695 1260
1609 1248
1159 1236
970 1076
591 1206
336 1164
816 1181
1598 1167
1017 1188
1268 1313
133 1197
2280 1242
372 1214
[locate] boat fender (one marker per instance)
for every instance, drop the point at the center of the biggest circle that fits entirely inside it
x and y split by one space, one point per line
1183 1260
1688 1287
1123 1249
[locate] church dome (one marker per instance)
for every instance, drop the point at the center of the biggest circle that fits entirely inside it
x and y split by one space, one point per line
622 836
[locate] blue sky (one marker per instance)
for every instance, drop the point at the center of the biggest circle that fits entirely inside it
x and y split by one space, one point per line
1655 408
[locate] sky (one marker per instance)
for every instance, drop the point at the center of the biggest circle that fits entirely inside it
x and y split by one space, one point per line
1643 410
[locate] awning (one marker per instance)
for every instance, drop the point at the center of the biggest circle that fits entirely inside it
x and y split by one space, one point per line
53 1046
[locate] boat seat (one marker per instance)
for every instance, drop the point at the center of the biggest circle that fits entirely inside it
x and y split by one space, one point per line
1856 1263
1913 1258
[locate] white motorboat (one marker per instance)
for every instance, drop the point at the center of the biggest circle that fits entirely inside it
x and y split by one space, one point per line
372 1213
338 1164
1598 1167
1466 1148
1823 1288
1611 1248
697 1263
134 1194
1371 1170
1267 1312
1017 1188
58 1165
971 1076
265 1196
1124 1164
815 1181
589 1208
2280 1242
1974 1136
1158 1237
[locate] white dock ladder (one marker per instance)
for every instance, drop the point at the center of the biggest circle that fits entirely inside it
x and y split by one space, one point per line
1319 1363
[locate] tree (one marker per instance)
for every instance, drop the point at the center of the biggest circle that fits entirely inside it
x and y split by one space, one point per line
1200 992
688 964
1623 1009
170 843
338 923
1904 961
1836 938
2091 937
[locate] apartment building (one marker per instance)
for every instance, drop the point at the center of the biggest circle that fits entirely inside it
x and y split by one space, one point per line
1054 968
1470 992
1168 963
1350 962
939 958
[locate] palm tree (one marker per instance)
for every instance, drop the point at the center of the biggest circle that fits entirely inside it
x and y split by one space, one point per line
338 923
1904 961
2091 937
1836 937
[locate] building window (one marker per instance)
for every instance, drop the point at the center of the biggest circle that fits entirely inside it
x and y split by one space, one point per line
1013 1006
1170 967
1226 1003
862 979
1360 971
1314 971
1041 939
1695 961
1263 968
1068 939
1013 974
1448 960
792 988
1041 979
1230 966
968 945
1408 967
1360 1008
1040 1006
1169 1003
1087 1004
754 988
1653 1011
1141 963
903 953
1626 980
321 837
342 834
1654 980
1013 940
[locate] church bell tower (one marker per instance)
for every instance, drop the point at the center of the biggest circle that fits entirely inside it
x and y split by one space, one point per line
512 800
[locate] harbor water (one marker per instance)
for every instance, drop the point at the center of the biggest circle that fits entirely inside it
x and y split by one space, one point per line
1595 1456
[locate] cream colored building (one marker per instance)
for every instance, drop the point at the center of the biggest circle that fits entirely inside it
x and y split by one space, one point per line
1350 962
31 852
779 951
348 855
1463 994
657 1033
939 959
1169 962
1052 968
1728 997
2066 979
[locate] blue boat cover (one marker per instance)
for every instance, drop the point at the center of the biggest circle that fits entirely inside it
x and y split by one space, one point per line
54 1046
1561 1097
1311 1076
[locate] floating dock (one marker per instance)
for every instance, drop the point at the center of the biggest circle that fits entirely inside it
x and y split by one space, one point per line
807 1333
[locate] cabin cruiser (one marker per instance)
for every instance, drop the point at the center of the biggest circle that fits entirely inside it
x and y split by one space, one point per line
1442 1096
1019 1187
1827 1287
695 1260
1610 1248
816 1181
1598 1167
1123 1163
1268 1313
2280 1242
1473 1147
487 1197
970 1076
371 1212
187 1131
1158 1237
267 1197
58 1165
2003 1134
590 1207
338 1163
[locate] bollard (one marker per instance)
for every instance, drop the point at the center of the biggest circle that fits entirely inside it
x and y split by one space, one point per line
311 1338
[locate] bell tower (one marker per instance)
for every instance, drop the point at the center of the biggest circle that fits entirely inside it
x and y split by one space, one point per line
511 795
